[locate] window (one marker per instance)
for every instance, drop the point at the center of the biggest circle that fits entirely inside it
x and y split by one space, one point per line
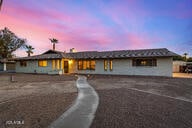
105 65
42 63
86 64
111 65
23 63
53 64
92 65
56 64
80 65
144 62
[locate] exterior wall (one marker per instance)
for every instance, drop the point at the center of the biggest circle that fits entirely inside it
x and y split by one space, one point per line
32 67
10 66
1 66
120 67
124 67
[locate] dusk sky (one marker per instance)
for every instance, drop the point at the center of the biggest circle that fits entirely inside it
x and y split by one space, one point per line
100 24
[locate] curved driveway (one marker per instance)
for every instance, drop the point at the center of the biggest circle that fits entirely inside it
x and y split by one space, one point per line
81 113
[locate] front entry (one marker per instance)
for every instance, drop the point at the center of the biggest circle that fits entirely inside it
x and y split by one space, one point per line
66 67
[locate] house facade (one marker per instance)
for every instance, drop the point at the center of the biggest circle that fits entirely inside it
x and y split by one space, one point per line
7 65
151 62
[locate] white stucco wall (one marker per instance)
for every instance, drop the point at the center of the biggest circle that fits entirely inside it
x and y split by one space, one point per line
120 67
124 67
32 67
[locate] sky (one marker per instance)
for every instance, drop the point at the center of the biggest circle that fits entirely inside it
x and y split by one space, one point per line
100 25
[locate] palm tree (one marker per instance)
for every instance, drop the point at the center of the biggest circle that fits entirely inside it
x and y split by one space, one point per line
29 49
185 56
53 41
1 2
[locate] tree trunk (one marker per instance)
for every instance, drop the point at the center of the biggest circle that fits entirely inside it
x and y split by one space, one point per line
53 46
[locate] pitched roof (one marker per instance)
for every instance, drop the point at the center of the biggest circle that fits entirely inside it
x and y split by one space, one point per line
50 54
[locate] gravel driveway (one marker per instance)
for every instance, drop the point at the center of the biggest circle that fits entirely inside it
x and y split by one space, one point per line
35 100
160 103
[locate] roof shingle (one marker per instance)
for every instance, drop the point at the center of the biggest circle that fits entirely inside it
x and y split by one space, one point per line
162 52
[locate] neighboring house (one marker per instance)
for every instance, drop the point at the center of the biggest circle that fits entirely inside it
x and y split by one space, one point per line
152 62
178 65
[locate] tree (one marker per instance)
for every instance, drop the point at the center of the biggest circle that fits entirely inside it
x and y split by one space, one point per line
1 2
29 49
9 43
189 59
53 41
185 56
178 58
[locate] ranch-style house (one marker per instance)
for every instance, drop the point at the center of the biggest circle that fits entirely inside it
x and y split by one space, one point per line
150 62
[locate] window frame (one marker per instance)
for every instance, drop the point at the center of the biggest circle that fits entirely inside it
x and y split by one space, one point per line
23 63
144 62
105 65
80 65
92 66
86 64
111 65
41 63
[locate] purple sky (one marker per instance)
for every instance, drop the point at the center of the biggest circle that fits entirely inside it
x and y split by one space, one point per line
100 24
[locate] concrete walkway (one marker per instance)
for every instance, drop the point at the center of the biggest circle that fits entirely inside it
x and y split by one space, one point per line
81 114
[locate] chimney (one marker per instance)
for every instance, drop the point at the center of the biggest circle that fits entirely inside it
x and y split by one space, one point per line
72 50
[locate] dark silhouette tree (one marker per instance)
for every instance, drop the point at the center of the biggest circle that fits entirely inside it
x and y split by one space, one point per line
53 41
9 43
29 49
189 59
185 56
1 3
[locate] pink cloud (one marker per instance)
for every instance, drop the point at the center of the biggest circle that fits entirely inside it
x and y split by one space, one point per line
82 30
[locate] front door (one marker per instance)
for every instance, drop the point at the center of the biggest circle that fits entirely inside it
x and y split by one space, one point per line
66 67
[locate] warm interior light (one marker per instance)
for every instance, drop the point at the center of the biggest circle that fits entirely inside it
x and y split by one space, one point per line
70 61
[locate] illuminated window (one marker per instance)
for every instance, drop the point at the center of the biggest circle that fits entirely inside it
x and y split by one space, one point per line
86 64
53 64
23 63
80 65
42 63
58 64
105 65
111 65
92 64
144 62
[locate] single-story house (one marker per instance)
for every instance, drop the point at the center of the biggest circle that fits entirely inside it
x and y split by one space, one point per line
153 62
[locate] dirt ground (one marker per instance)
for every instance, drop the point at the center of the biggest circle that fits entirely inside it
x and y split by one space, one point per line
35 99
142 102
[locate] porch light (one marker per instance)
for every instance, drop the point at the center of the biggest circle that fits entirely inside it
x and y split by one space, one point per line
70 61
